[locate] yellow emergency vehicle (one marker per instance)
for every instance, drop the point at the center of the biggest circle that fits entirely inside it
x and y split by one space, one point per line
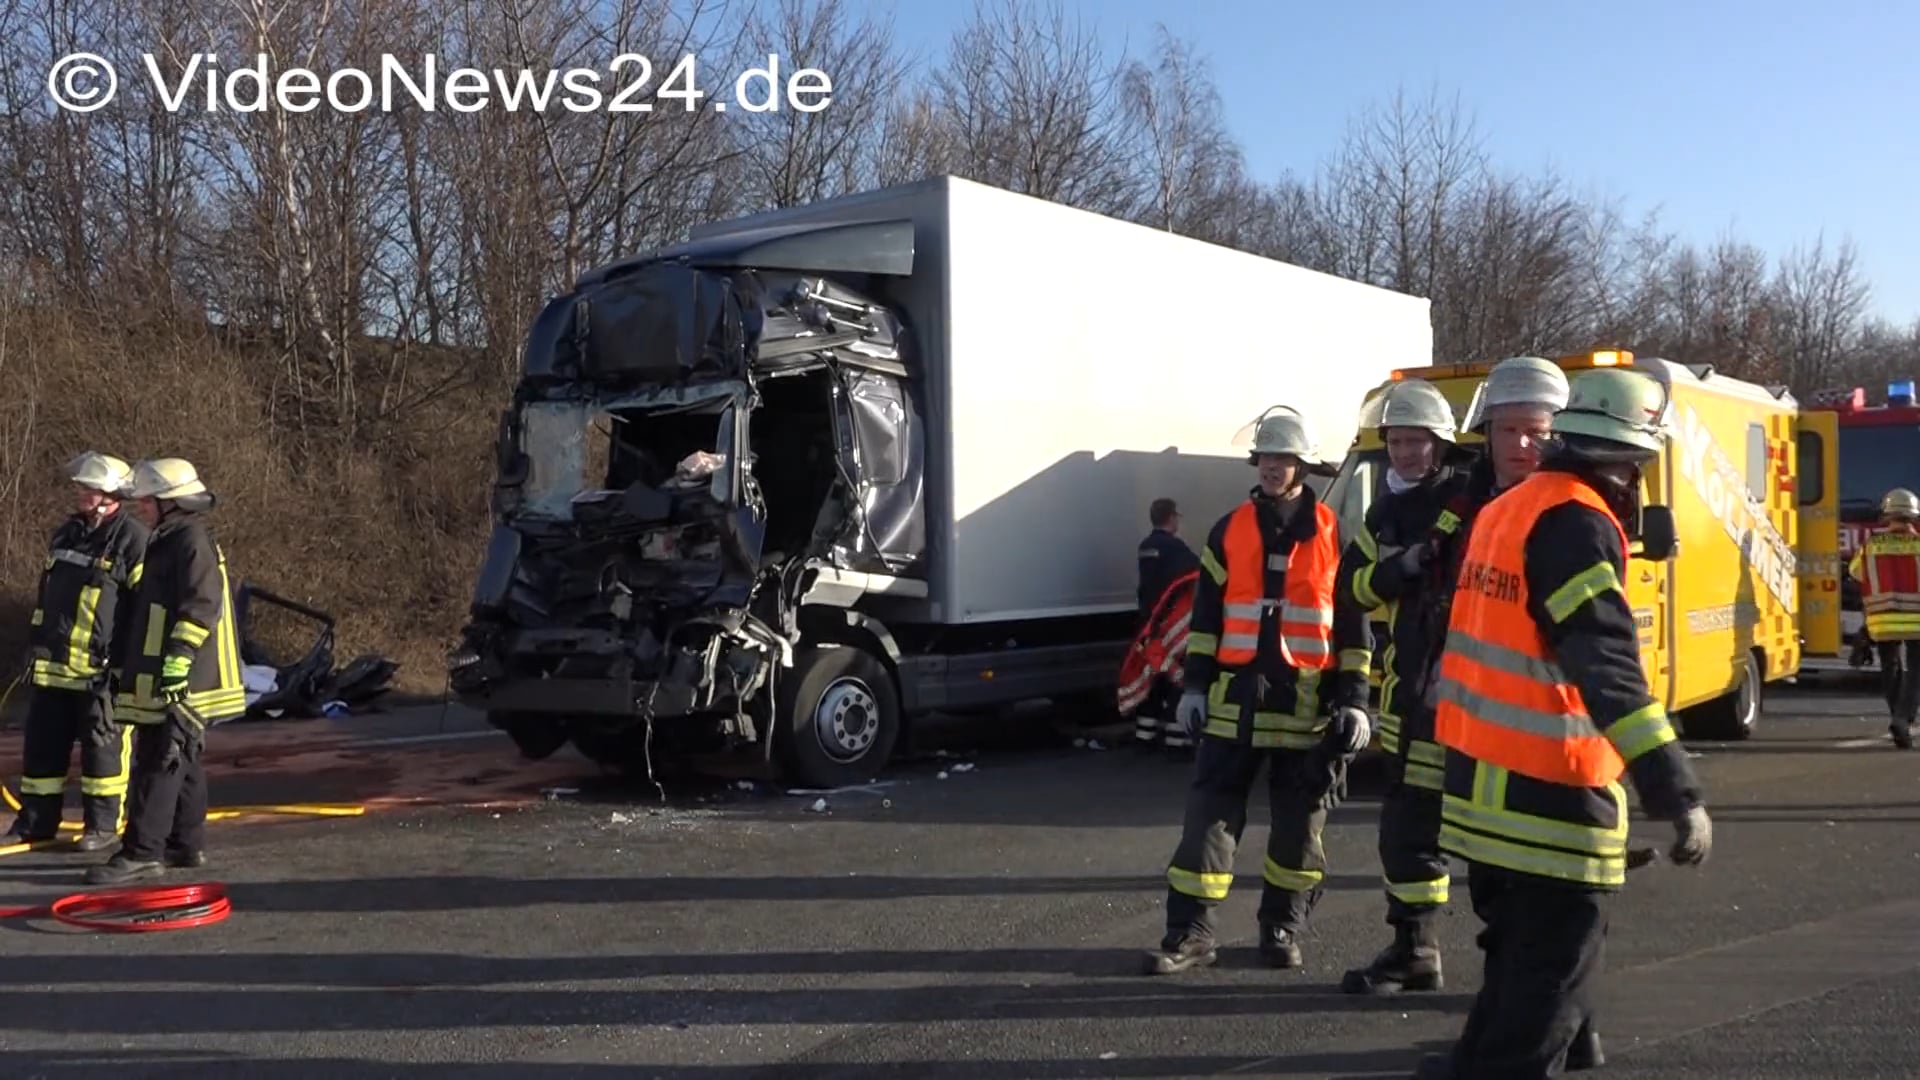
1751 487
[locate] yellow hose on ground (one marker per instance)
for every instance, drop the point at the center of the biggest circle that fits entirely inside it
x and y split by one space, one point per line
222 814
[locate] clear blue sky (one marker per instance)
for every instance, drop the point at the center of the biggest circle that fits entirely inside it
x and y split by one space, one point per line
1771 118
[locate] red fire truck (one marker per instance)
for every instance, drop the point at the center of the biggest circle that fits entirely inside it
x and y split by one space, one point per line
1878 449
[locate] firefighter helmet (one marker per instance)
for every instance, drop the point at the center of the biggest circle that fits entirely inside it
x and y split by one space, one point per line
1282 430
1417 403
166 478
1617 405
1900 503
1518 380
101 472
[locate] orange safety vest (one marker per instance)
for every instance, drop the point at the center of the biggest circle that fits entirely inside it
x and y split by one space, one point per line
1502 699
1306 606
1890 585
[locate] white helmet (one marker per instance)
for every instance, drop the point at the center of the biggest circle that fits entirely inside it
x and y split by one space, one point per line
1417 403
101 472
1282 430
166 478
1519 380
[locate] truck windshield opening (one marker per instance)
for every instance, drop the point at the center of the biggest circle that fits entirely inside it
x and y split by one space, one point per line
1877 460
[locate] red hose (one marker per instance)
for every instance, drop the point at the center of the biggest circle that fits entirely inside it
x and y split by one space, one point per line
140 908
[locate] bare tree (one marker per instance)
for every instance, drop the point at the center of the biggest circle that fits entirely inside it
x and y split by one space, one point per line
1820 300
918 141
791 156
1032 105
1193 172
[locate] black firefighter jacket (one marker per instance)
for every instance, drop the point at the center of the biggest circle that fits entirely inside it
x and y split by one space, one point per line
1163 557
1398 563
183 606
90 571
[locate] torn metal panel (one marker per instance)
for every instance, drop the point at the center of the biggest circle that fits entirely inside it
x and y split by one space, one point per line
689 450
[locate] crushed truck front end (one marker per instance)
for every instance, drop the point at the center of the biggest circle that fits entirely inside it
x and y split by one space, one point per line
688 454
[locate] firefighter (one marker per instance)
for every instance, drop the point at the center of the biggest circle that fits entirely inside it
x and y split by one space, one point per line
1542 707
1512 411
1163 557
179 673
1267 661
92 564
1887 567
1390 565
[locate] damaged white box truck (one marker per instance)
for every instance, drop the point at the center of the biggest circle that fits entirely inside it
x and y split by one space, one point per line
814 472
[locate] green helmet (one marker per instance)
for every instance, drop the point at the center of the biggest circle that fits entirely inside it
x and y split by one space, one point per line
1618 405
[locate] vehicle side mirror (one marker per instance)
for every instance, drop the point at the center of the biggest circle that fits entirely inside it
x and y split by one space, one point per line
1659 539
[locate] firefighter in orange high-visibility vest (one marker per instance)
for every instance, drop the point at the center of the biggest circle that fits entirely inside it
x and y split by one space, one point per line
1272 678
1887 567
1543 706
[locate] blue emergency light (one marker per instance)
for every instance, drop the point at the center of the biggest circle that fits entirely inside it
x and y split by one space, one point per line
1900 393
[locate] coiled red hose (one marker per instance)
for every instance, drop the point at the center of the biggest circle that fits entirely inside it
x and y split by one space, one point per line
136 908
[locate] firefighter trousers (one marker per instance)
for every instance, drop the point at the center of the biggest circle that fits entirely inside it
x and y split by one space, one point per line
1201 872
56 719
167 808
1544 948
1900 679
1156 722
1415 870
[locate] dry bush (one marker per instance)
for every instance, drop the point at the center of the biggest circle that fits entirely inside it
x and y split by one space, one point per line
383 535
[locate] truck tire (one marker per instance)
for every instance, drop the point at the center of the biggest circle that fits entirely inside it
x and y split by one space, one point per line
839 716
1734 717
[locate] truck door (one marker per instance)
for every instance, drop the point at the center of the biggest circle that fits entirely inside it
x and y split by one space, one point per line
1647 592
1816 485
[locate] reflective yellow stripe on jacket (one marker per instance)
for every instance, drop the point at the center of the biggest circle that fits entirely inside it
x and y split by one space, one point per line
1481 827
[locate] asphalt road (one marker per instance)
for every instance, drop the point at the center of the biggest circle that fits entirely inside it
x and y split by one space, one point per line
988 923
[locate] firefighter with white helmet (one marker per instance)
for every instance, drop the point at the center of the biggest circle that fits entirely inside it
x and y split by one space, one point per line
1512 410
1268 657
92 566
179 673
1391 564
1543 708
1887 567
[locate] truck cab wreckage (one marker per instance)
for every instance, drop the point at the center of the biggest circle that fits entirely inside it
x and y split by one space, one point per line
746 499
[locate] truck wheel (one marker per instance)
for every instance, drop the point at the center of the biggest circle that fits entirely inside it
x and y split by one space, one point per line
839 716
1734 717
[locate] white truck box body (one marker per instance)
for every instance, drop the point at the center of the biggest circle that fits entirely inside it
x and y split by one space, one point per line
1076 367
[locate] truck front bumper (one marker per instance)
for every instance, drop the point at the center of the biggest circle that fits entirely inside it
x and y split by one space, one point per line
573 696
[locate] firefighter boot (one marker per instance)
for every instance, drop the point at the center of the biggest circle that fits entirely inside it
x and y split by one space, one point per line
1181 952
102 815
1279 947
38 821
1412 962
121 869
1585 1052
